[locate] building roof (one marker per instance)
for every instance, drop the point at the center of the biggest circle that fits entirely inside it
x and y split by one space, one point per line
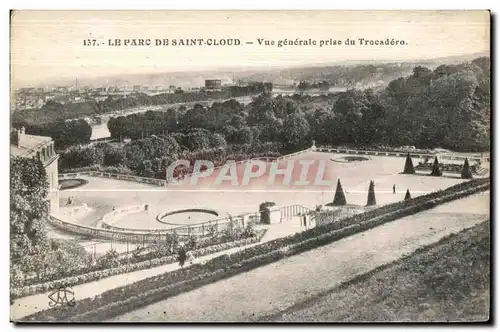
30 144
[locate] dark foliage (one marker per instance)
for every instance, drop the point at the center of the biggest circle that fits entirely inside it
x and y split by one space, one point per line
409 165
371 195
407 195
466 171
436 170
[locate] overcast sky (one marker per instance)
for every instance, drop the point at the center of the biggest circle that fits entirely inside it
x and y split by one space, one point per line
49 44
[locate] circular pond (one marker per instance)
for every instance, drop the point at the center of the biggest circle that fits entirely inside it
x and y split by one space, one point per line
187 216
71 183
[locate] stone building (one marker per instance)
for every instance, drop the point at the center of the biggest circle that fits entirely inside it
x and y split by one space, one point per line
42 148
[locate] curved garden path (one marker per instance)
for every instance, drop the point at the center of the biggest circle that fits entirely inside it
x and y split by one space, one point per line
275 287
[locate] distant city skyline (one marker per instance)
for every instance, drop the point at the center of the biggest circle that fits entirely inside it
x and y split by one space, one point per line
48 45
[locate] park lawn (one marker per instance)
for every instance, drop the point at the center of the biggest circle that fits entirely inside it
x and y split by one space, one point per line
447 282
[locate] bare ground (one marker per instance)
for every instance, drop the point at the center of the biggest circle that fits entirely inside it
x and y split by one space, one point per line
449 282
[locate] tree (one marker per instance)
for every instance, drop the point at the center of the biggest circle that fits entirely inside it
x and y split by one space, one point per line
198 139
110 259
28 209
145 169
217 141
349 109
303 86
113 156
339 198
244 135
436 170
81 156
260 110
409 169
196 117
64 133
297 130
66 256
407 195
466 171
371 195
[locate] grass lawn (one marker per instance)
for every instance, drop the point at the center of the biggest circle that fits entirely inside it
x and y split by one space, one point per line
102 194
450 282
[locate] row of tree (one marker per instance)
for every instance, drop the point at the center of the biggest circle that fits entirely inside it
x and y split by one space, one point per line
54 111
448 107
339 198
150 157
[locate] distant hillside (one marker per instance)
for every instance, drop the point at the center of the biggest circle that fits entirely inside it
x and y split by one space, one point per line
359 74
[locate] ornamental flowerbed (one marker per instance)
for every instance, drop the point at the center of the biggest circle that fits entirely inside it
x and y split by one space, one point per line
135 266
130 297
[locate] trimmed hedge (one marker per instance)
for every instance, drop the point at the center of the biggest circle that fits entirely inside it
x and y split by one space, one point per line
100 274
407 195
466 170
144 292
409 169
339 198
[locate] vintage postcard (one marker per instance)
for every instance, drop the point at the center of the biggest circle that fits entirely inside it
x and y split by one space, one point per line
250 166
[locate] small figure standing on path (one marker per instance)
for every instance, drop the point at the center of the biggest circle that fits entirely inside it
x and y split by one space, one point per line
394 189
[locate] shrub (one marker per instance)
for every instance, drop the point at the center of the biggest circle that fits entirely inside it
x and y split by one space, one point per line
138 261
110 259
16 276
409 169
436 170
192 243
466 171
249 231
339 198
371 195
